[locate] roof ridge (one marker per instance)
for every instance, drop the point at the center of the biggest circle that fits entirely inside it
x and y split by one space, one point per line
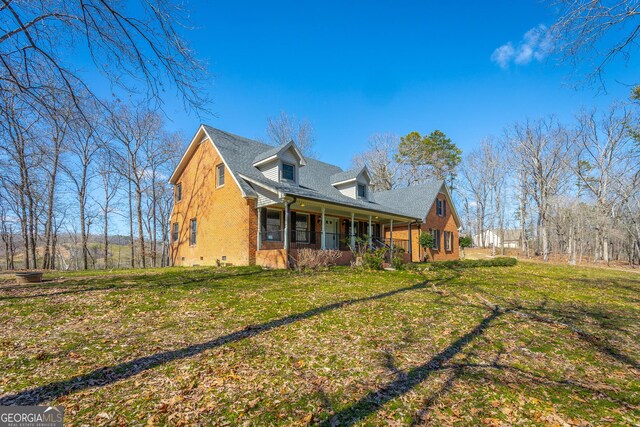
424 184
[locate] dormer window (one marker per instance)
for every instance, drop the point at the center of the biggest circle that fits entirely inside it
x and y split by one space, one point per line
288 172
362 191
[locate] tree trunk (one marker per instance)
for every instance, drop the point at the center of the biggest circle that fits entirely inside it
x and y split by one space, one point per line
46 262
140 224
106 231
83 236
131 242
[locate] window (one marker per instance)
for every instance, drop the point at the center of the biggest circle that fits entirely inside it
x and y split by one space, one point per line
219 175
274 222
179 192
174 233
288 172
441 207
436 240
302 227
448 241
194 230
362 191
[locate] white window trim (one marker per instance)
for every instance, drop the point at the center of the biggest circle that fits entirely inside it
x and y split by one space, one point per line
221 165
179 199
436 239
295 172
280 231
175 232
448 241
191 221
358 190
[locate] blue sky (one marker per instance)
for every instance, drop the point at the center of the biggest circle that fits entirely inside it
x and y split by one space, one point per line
356 68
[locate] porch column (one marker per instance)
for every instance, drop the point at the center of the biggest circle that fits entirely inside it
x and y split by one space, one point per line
287 237
323 242
391 236
259 243
353 235
410 245
370 232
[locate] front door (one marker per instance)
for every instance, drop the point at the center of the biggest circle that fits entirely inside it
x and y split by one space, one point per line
331 233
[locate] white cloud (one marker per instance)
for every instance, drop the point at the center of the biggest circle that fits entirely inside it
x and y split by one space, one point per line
536 44
503 55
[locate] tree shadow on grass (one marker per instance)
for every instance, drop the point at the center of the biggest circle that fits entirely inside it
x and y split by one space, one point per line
405 383
111 374
566 316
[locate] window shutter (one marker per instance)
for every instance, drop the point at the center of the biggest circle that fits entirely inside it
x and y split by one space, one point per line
444 208
292 223
263 220
312 228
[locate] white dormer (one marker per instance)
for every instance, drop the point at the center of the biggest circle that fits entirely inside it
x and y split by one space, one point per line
353 183
281 164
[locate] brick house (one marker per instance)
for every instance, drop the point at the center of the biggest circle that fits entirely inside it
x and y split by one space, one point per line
238 201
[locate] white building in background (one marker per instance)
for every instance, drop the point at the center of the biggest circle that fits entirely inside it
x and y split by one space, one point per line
493 238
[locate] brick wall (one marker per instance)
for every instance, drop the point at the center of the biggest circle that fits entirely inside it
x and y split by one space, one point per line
224 218
432 220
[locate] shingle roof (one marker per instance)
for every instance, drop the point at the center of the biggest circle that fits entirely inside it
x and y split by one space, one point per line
269 153
316 178
345 175
415 200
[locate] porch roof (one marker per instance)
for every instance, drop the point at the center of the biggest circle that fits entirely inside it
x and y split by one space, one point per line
300 192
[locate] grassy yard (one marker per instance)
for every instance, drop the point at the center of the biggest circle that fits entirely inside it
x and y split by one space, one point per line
527 345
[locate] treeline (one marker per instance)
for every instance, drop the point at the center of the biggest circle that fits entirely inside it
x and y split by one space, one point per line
568 190
72 174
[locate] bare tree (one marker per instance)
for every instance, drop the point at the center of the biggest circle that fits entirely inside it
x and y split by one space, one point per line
136 130
540 148
606 155
17 126
83 146
478 189
596 32
56 130
286 128
380 159
110 180
129 44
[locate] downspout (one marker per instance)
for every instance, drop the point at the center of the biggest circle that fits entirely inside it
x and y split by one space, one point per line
287 229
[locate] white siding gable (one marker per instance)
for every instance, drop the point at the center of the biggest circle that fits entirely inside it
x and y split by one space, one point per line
265 197
348 190
272 170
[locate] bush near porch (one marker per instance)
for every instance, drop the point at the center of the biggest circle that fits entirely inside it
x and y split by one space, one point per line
493 345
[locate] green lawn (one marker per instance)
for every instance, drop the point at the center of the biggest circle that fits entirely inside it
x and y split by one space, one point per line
527 344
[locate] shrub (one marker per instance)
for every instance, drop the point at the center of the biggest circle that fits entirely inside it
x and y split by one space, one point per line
474 263
425 240
313 259
374 260
397 261
465 241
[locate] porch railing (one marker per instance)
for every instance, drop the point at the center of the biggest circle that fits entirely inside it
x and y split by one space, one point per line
274 239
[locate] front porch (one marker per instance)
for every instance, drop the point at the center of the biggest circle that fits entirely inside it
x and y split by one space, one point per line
285 228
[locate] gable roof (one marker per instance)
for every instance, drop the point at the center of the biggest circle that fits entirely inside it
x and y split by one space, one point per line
416 200
316 179
271 154
349 175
